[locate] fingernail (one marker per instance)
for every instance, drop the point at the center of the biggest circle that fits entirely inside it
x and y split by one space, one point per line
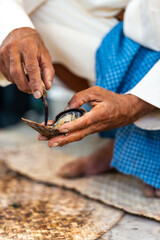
55 145
65 130
37 94
43 138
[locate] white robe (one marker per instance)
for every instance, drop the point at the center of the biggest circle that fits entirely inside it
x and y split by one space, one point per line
73 29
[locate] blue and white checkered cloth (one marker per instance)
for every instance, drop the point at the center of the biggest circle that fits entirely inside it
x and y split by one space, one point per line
120 65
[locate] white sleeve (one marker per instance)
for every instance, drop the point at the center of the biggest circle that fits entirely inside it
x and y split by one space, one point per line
148 89
3 81
12 15
104 8
141 22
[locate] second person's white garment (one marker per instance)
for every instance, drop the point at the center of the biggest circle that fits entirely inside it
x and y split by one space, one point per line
72 32
73 29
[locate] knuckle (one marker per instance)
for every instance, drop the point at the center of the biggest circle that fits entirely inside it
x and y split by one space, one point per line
45 66
94 88
31 54
14 72
86 121
93 129
35 84
11 45
27 43
7 49
81 136
3 51
13 61
31 67
75 97
64 142
24 41
104 109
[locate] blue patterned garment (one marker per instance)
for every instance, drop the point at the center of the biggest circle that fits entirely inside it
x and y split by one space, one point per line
120 65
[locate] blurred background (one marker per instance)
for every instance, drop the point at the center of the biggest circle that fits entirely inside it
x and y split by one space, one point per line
15 104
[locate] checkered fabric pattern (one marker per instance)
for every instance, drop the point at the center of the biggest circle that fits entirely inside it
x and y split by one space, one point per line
120 65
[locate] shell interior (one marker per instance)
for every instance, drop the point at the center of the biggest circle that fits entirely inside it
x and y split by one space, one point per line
63 117
66 117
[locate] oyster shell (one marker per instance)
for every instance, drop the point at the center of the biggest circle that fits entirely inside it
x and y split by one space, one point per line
61 118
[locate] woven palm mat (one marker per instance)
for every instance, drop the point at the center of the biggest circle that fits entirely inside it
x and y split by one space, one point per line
124 192
34 211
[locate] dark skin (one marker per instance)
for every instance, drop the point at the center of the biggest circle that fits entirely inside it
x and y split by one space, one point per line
24 45
110 110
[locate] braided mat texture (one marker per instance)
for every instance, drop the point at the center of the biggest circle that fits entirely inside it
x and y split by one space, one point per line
124 192
34 211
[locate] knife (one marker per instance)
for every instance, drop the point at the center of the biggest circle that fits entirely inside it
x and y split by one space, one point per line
45 105
44 101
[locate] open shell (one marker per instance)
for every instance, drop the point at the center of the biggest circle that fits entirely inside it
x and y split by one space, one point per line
61 118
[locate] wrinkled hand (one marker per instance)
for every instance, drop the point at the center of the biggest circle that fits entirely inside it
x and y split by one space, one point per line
24 45
110 110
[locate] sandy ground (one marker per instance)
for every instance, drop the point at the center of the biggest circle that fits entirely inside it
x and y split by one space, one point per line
130 227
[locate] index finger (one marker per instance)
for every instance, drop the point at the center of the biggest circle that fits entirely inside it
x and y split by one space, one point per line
81 123
33 71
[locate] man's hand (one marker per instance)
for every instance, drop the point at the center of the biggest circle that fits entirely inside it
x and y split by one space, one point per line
24 46
110 110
